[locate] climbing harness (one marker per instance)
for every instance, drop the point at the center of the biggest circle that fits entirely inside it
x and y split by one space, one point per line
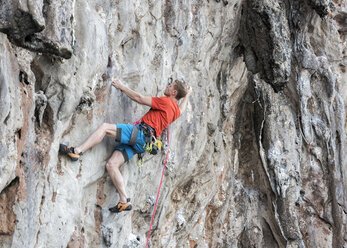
161 180
152 144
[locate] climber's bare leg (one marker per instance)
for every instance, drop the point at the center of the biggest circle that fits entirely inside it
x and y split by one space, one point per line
96 137
112 167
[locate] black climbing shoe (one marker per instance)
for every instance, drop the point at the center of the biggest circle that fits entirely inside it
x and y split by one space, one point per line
69 151
121 207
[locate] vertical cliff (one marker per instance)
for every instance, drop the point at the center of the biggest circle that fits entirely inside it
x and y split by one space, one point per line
257 160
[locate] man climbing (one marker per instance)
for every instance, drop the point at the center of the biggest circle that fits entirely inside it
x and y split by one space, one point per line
164 110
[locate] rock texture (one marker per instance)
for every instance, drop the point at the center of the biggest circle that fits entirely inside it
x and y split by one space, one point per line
257 160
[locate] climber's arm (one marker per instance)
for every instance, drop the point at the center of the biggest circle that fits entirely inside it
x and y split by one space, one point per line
184 102
145 100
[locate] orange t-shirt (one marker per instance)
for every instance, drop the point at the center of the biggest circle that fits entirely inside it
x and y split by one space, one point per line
164 111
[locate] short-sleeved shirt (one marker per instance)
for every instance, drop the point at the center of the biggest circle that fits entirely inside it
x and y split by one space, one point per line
164 111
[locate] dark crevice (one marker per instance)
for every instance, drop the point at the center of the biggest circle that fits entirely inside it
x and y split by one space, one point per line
266 44
39 43
268 235
45 9
39 74
28 38
320 6
336 214
23 77
7 118
19 133
48 119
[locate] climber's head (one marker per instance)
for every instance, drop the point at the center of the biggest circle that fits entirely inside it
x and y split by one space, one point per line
176 89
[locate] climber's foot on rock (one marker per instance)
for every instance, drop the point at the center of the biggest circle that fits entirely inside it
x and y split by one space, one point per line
69 151
121 207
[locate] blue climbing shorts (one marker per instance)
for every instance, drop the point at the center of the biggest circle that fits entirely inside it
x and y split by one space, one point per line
127 150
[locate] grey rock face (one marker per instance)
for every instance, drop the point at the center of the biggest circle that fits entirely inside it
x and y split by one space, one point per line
257 160
23 22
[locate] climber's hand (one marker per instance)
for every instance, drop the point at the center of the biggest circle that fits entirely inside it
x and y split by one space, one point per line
118 84
189 90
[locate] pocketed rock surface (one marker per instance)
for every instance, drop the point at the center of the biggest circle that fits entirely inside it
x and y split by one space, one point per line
257 160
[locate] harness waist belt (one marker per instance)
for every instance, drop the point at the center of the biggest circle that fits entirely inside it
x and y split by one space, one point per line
145 128
133 136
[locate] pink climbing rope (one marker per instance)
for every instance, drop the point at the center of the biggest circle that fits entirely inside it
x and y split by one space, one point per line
137 122
161 180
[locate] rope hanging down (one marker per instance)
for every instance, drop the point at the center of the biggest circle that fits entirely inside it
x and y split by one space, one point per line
161 180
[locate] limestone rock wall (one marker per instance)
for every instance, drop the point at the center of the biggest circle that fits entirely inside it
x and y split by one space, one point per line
257 160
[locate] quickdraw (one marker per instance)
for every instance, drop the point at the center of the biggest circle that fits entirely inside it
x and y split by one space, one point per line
154 146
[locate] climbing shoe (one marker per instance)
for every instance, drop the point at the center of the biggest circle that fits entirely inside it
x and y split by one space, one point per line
69 151
121 207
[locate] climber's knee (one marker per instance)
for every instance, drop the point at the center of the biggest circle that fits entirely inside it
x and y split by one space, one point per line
103 126
109 129
115 161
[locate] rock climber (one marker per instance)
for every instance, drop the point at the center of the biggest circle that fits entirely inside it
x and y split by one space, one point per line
164 110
